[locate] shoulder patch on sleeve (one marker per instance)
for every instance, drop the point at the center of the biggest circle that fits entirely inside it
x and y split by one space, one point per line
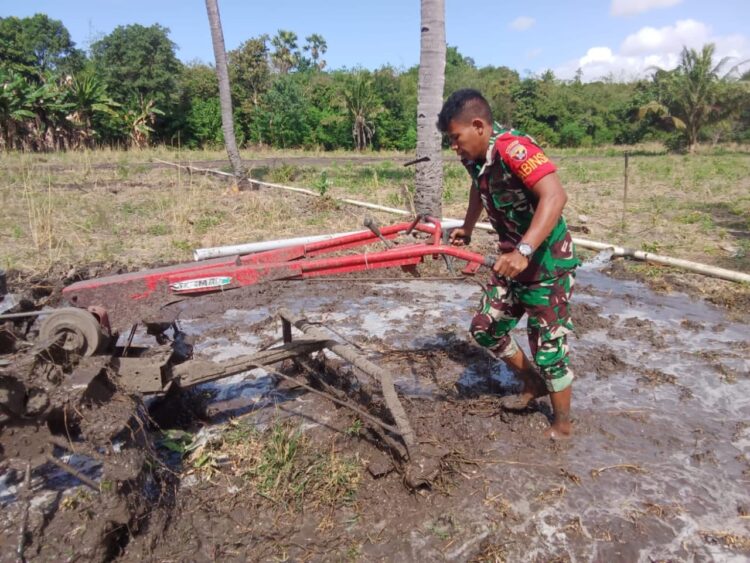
525 159
516 151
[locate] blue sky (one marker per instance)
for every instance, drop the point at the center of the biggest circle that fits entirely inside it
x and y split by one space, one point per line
621 38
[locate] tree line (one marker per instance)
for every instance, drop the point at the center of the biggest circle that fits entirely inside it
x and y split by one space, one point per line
130 90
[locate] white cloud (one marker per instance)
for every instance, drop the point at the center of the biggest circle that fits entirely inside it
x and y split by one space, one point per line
632 7
652 47
667 39
597 55
522 23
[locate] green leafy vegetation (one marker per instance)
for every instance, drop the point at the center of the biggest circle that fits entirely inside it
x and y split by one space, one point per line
131 90
280 463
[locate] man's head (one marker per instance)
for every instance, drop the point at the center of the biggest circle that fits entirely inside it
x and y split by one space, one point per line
466 118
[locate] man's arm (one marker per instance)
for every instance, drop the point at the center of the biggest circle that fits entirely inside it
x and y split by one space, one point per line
473 211
551 201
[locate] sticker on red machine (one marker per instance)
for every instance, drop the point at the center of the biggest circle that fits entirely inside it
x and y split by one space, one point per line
201 284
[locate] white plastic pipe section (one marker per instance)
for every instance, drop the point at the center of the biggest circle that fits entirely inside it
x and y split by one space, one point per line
249 248
731 275
216 252
689 265
697 267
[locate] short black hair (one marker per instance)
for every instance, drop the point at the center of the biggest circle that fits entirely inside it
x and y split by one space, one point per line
465 103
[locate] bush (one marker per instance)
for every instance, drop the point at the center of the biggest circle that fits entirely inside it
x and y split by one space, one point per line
543 134
204 123
572 134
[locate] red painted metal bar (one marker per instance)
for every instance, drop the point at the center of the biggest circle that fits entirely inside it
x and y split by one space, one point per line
284 263
412 254
389 232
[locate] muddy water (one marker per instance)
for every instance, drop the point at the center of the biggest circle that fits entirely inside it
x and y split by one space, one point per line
658 468
659 461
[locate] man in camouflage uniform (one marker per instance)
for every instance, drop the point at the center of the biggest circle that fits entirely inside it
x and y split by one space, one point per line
518 187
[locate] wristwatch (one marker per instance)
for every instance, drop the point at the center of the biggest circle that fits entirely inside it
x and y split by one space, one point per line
525 249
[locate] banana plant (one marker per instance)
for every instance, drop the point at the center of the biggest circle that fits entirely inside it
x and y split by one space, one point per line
139 121
50 127
16 99
89 97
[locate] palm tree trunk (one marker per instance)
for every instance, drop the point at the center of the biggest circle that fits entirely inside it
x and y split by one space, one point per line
429 174
692 136
225 97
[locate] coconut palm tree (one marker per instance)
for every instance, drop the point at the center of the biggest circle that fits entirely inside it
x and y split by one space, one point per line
693 95
317 47
429 174
225 96
363 105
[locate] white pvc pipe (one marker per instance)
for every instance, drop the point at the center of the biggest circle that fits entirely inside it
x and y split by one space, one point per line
366 204
689 265
250 247
697 267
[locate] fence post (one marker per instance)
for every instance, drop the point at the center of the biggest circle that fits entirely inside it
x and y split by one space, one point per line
625 193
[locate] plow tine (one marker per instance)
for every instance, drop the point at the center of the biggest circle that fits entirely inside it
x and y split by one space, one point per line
396 446
330 397
68 446
386 381
74 472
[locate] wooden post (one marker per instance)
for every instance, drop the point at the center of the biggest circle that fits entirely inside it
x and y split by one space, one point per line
625 193
286 329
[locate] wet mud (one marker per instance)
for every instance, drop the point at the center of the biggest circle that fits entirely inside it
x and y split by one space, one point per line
658 469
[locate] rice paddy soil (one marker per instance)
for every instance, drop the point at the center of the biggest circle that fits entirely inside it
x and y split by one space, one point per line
262 470
258 469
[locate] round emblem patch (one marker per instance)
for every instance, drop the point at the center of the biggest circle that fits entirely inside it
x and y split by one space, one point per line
517 152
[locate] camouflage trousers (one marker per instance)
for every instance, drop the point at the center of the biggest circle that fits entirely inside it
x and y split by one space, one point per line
549 323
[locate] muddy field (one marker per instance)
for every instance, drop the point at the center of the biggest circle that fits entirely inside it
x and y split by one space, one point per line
658 470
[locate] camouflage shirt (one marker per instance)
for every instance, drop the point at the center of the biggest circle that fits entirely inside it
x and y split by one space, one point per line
514 163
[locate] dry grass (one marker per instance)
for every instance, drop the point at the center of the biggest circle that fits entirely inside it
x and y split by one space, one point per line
733 541
696 208
61 210
491 553
135 215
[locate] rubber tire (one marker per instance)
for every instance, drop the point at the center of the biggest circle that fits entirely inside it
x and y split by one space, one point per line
86 336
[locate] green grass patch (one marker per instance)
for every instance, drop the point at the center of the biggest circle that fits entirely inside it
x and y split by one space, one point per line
282 463
159 229
208 221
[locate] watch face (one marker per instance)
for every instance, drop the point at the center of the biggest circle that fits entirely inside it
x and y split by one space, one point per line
525 249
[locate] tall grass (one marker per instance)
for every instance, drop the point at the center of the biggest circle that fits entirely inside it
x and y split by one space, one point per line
116 207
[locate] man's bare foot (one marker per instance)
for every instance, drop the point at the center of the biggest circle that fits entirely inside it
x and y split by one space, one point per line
522 400
533 386
559 430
